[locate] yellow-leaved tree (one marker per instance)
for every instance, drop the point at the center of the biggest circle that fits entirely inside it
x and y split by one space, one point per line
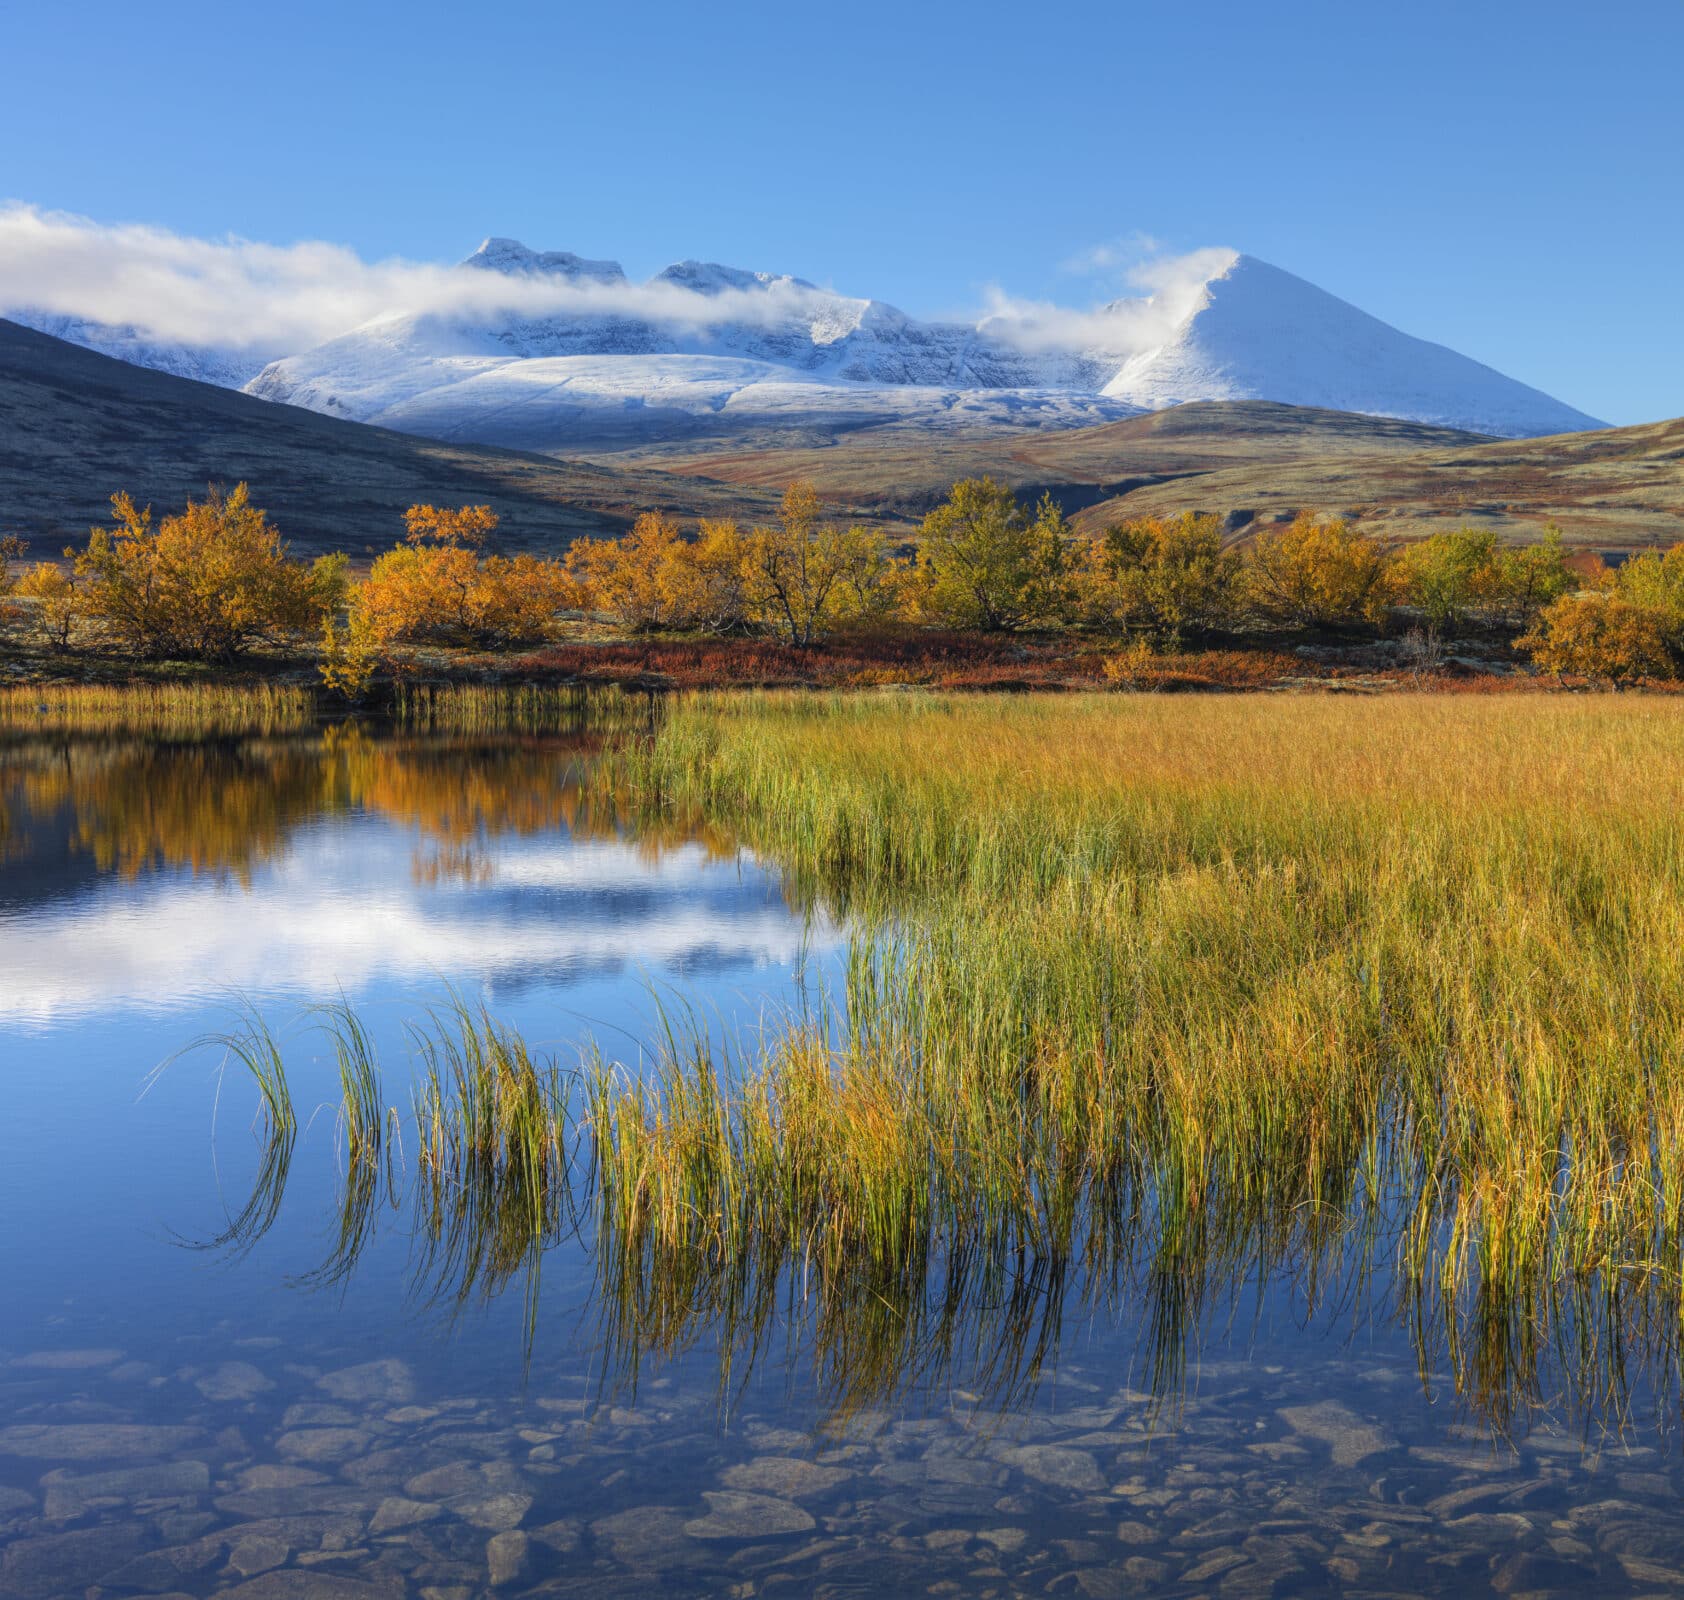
987 562
634 579
57 601
1319 573
1163 575
800 574
207 584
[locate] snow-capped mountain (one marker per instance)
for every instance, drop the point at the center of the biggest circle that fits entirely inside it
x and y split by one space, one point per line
550 351
1257 333
578 355
703 348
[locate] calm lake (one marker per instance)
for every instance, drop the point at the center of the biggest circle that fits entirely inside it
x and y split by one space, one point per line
194 1402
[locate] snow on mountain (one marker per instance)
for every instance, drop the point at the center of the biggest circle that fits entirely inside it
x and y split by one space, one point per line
1258 333
228 369
548 350
511 256
708 277
701 348
705 348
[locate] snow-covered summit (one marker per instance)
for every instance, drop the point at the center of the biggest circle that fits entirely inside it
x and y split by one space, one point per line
511 256
709 277
1258 333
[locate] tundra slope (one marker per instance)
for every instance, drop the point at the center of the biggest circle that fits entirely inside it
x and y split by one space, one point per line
76 425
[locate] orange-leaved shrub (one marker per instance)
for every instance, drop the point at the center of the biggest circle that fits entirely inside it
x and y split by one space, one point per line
437 587
207 584
1601 634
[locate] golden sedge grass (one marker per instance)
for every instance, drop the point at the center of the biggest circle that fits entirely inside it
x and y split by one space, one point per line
165 710
1153 995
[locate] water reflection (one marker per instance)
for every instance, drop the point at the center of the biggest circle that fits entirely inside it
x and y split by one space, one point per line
142 874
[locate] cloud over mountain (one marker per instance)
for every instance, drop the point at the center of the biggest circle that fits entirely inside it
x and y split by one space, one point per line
549 350
270 300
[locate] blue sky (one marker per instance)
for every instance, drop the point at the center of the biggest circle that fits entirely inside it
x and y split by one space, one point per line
1505 178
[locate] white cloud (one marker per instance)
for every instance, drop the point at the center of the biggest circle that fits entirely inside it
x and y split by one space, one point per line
1123 327
265 300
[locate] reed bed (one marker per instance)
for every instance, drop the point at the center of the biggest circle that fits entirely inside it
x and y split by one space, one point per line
521 708
1149 997
1224 980
162 711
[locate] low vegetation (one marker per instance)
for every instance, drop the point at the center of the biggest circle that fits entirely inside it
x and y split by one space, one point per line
215 585
163 711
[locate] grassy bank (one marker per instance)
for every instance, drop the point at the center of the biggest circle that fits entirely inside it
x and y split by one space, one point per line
157 710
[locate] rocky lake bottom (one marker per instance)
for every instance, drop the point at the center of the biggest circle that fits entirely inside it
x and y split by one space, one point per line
228 1467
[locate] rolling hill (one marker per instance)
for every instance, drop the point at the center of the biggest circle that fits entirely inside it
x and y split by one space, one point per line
1246 461
76 426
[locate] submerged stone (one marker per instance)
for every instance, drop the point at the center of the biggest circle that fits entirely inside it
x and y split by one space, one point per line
389 1382
274 1477
159 1570
645 1536
293 1501
396 1512
233 1380
1350 1439
505 1557
460 1478
68 1496
733 1515
1056 1465
323 1444
319 1414
496 1511
254 1555
55 1564
787 1476
562 1535
94 1441
66 1360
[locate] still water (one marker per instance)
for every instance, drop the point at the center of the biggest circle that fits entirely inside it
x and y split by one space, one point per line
182 1420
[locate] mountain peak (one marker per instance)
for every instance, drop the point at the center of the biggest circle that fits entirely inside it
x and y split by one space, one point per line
709 277
511 256
1254 331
